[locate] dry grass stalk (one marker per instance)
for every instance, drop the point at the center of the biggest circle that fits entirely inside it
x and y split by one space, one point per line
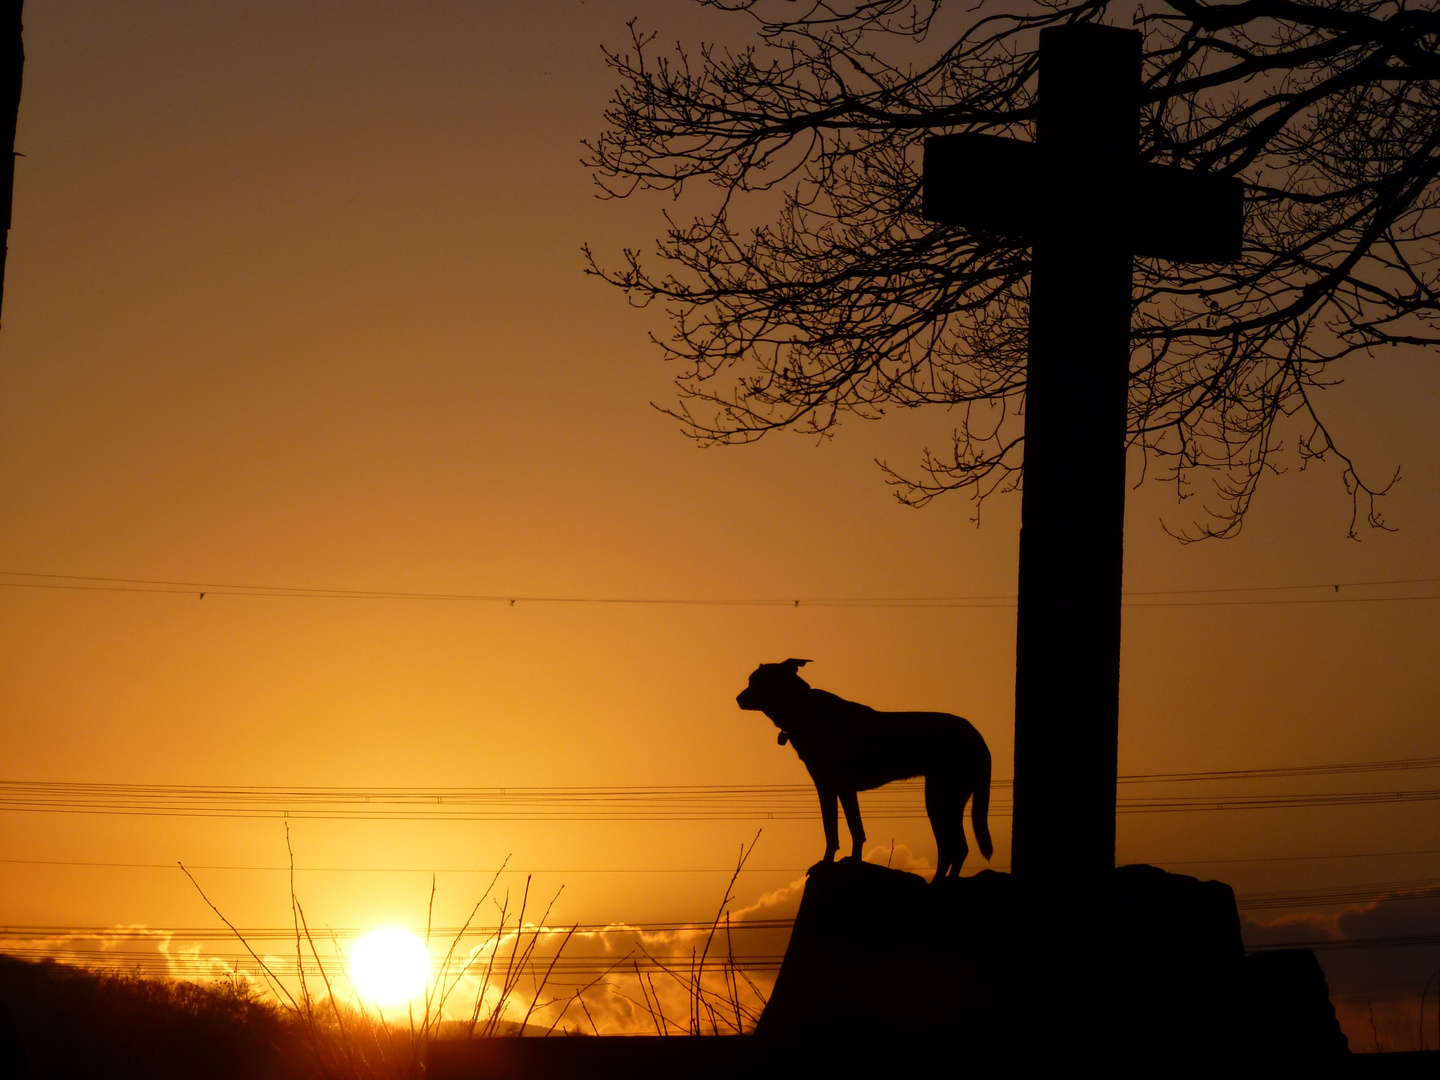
363 1046
360 1045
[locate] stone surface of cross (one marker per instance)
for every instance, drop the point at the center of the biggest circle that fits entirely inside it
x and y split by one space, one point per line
1080 197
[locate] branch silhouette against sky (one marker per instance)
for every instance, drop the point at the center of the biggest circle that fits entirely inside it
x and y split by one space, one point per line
805 287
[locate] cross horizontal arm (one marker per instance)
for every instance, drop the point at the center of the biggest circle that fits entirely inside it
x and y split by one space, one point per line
994 185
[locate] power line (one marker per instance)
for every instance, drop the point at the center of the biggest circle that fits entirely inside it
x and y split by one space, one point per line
614 928
915 812
195 965
279 868
58 935
720 802
1294 858
94 583
1422 889
345 933
356 793
1335 769
577 967
56 942
1396 941
170 866
178 965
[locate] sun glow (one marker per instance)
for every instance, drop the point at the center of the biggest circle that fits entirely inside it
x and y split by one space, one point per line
389 966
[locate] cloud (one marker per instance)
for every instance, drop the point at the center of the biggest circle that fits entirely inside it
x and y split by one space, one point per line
1377 958
627 979
742 961
1305 929
899 857
130 947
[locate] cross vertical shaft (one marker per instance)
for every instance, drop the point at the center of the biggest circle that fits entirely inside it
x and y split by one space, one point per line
1067 678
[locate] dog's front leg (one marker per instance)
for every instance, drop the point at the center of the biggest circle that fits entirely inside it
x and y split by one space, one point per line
831 820
851 802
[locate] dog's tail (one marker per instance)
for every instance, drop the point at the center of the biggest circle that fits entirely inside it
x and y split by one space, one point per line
980 809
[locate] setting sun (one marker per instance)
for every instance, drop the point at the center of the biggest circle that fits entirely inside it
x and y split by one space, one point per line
389 966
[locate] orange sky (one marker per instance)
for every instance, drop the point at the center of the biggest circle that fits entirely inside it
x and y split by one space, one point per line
294 298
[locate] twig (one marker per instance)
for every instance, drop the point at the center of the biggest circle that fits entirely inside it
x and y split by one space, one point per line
329 990
586 1009
724 903
496 938
660 1008
553 961
578 994
445 964
734 983
410 1005
309 1014
508 984
643 993
711 993
255 956
241 937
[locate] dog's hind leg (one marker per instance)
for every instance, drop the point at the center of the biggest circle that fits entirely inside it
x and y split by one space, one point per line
851 802
959 849
945 799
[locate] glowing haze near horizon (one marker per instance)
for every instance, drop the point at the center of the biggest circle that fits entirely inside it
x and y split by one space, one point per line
294 298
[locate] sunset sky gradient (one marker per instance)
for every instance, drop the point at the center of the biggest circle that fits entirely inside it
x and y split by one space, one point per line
295 299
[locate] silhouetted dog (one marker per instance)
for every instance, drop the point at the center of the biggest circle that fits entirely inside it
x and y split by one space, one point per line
850 748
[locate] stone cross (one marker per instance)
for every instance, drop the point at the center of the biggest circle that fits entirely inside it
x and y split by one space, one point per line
1086 205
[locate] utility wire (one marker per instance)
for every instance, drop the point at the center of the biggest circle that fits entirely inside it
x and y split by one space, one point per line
1412 890
1419 889
575 967
1333 769
587 791
489 871
40 942
287 933
579 969
721 802
206 588
916 812
132 962
77 934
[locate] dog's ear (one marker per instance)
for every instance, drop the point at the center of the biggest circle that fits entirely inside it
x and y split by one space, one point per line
794 665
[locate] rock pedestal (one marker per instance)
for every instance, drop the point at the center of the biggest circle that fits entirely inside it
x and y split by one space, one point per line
1147 974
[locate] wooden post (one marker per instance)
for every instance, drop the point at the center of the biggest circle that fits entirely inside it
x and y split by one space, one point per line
12 70
1072 512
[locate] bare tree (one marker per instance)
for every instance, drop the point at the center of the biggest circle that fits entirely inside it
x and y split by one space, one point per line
805 287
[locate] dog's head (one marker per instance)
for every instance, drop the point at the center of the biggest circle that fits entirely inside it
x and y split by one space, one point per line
773 686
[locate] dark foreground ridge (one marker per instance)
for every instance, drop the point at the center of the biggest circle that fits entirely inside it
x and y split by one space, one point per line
884 973
1146 975
59 1022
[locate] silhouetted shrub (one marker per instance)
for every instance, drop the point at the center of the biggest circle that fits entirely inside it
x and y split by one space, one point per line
81 1023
